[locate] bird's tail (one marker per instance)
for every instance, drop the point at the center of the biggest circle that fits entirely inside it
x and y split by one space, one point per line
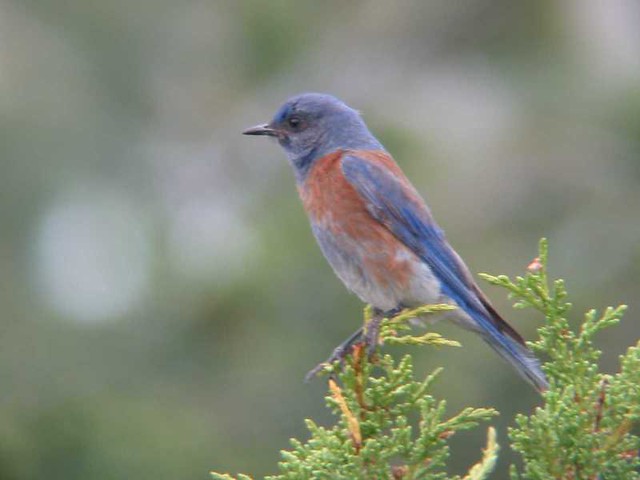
507 342
519 356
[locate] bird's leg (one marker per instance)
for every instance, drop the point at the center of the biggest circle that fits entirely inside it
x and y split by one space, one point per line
339 353
369 335
372 333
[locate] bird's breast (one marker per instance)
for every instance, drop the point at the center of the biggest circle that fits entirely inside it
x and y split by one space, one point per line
365 255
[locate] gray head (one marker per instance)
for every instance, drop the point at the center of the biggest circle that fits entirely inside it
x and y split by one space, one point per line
311 125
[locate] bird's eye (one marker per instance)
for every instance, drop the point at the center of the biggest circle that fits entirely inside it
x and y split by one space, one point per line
294 122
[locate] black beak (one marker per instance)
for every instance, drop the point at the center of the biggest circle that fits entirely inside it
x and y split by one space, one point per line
261 130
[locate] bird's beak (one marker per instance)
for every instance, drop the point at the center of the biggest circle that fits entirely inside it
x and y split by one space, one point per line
261 130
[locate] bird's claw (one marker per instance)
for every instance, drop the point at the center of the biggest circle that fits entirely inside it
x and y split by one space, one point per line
370 337
338 354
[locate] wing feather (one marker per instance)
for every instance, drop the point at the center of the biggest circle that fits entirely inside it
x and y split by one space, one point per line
393 202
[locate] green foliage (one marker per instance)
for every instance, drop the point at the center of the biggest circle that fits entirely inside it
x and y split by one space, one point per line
376 435
392 327
583 430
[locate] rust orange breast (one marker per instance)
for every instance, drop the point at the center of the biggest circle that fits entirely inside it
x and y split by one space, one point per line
327 192
334 206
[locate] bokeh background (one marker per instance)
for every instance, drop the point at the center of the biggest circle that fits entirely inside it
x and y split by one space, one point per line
161 295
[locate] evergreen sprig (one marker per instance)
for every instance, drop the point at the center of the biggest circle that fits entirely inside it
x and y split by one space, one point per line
375 436
583 430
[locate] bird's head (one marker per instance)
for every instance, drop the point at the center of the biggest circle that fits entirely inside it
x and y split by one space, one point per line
311 125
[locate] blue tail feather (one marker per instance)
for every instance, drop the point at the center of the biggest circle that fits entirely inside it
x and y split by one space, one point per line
503 339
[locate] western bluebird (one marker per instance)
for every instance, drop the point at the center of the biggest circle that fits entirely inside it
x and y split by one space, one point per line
376 231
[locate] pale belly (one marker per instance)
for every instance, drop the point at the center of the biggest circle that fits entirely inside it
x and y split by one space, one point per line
384 278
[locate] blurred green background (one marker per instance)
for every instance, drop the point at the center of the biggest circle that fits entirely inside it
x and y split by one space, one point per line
161 295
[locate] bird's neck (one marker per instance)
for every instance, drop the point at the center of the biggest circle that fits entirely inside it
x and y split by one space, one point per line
302 163
345 139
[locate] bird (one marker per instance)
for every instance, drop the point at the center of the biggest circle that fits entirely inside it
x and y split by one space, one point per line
377 232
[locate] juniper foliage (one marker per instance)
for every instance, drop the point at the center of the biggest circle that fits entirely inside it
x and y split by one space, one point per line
582 431
375 436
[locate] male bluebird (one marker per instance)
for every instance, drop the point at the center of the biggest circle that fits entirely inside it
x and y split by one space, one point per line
375 229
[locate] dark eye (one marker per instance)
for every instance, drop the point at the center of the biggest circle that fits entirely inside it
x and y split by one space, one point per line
294 122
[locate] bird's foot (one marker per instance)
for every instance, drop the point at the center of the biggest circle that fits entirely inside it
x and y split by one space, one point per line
338 354
369 335
372 328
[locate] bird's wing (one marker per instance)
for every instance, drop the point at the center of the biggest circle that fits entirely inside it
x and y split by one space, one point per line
392 201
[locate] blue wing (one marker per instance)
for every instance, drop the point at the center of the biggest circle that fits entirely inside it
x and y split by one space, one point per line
394 203
409 219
